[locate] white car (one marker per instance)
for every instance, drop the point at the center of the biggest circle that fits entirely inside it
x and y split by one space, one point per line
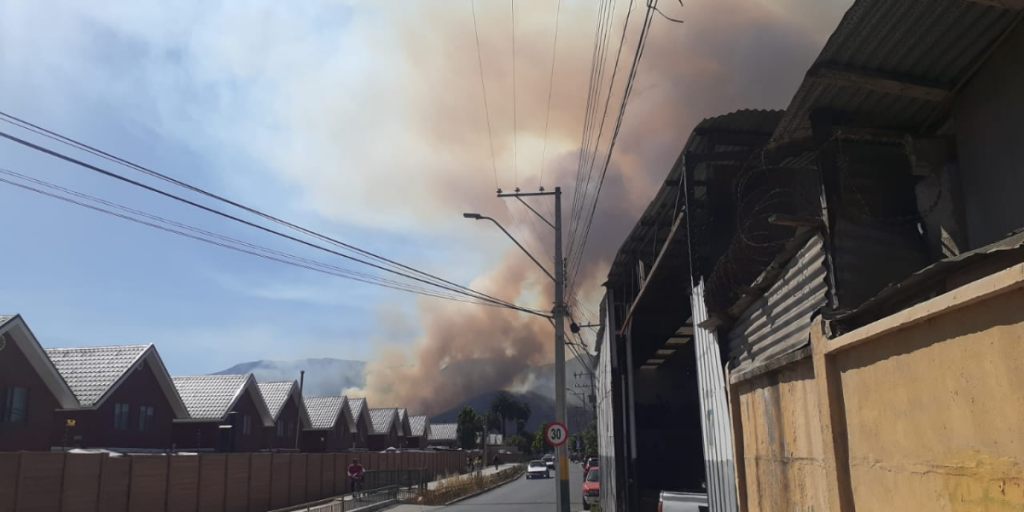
537 469
550 460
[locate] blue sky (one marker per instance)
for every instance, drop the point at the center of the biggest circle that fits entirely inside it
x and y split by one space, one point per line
83 278
362 120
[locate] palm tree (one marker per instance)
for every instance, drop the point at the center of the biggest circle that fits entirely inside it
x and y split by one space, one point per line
503 406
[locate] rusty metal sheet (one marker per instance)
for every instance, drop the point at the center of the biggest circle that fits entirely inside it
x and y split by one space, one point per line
212 482
81 482
297 485
148 492
114 483
183 484
236 495
280 478
259 482
40 476
314 476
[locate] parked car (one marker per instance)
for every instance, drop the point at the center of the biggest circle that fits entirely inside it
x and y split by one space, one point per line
592 488
588 465
682 502
537 469
549 460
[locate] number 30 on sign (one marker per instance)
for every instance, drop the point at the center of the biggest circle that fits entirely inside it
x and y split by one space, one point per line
556 434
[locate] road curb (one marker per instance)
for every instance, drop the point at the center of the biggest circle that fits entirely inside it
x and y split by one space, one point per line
482 491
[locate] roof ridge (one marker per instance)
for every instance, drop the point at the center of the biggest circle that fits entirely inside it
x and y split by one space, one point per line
101 346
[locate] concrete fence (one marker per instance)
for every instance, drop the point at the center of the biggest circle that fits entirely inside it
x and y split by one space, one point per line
918 411
257 482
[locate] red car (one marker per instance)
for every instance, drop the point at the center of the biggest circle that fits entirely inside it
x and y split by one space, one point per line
592 488
591 463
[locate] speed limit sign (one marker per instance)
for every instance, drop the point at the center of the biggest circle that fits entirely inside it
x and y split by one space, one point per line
556 434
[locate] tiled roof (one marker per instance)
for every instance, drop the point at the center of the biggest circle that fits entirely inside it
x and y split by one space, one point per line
418 424
90 371
209 397
276 394
402 414
443 432
356 406
324 411
382 420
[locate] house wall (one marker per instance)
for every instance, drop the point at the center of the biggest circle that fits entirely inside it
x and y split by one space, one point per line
289 414
783 459
338 439
917 411
96 426
209 436
15 371
989 123
382 442
361 438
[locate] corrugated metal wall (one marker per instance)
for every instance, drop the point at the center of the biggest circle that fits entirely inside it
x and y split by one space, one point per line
779 321
606 416
716 429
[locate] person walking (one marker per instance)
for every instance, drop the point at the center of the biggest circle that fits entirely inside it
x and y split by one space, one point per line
497 462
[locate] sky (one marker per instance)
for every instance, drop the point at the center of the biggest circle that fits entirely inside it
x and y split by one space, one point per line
361 120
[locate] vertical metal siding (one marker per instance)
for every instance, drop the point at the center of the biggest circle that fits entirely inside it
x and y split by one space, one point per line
779 322
606 414
716 427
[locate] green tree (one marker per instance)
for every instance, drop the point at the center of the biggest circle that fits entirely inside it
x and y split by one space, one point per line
590 440
539 443
522 415
468 426
519 442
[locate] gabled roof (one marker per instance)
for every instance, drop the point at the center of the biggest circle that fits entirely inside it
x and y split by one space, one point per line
13 329
211 397
443 432
419 425
404 429
94 373
383 420
277 394
324 412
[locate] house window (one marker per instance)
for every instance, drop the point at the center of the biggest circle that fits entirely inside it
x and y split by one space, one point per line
15 405
145 418
121 414
291 429
280 429
246 425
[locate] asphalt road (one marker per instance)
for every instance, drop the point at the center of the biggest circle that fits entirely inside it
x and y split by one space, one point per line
520 496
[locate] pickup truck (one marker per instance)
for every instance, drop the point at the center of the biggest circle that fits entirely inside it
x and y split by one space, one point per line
682 502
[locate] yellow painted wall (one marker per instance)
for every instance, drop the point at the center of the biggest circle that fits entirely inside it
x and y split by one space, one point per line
782 441
935 413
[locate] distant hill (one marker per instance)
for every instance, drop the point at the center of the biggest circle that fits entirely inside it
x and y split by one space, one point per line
542 409
328 376
324 376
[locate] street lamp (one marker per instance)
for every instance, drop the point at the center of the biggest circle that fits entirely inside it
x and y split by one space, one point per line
557 320
477 216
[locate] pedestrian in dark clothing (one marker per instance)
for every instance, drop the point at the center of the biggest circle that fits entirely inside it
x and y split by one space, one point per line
497 462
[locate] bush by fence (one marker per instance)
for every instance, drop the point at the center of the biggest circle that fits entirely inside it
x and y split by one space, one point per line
50 482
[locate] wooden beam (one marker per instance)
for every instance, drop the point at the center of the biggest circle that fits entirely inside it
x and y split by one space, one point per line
781 219
879 82
654 268
1011 5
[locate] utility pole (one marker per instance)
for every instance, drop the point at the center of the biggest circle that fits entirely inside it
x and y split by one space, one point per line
558 318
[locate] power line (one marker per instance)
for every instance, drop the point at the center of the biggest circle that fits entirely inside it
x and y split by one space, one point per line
515 112
226 242
487 111
21 123
551 83
427 279
641 45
